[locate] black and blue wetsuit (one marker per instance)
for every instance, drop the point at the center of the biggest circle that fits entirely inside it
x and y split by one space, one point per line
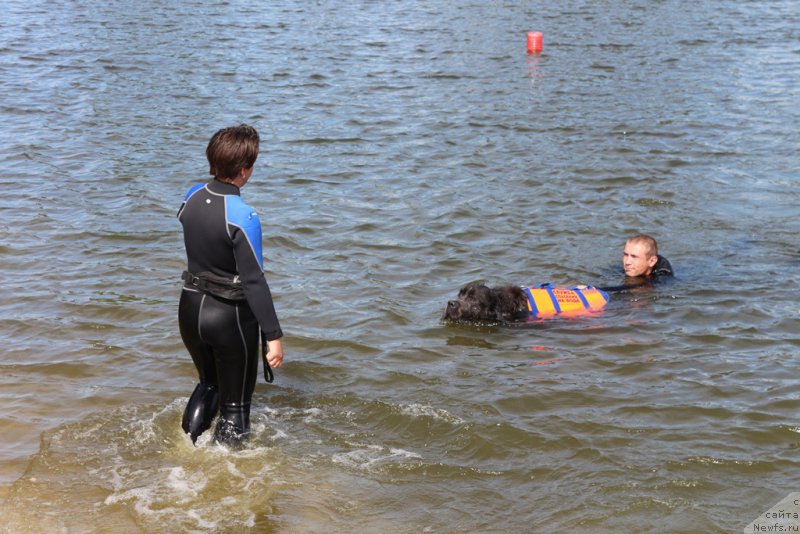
222 235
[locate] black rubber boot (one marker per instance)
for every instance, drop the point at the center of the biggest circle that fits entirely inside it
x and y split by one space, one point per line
233 425
200 410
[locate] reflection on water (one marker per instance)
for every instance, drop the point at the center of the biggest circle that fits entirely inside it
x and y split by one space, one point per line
407 149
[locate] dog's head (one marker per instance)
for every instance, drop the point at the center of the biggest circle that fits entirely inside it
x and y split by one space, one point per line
477 302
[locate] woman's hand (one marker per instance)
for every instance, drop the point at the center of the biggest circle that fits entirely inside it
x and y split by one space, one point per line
275 353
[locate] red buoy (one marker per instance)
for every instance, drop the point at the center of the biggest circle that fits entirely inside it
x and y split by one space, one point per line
534 42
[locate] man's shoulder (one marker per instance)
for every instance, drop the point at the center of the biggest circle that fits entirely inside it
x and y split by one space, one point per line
662 267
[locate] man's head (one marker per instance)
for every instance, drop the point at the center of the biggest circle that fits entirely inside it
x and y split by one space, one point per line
230 150
640 256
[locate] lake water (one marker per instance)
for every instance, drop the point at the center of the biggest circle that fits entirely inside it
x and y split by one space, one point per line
407 148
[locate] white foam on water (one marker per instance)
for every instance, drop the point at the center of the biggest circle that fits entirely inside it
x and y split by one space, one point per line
422 410
404 453
312 414
154 471
367 456
232 470
185 486
202 522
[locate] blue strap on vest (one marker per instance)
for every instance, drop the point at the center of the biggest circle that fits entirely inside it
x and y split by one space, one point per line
556 305
534 309
549 287
580 295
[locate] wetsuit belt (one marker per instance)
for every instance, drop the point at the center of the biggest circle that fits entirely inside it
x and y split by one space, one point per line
216 285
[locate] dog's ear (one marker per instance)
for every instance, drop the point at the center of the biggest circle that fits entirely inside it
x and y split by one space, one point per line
485 302
492 304
512 302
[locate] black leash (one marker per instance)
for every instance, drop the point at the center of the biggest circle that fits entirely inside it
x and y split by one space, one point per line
617 289
268 376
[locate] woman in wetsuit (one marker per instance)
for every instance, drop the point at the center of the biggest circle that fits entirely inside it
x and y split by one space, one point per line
226 305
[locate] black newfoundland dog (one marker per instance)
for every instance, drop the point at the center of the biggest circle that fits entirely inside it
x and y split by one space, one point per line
477 302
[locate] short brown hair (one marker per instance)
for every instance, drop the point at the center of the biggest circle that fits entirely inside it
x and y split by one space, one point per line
232 149
651 247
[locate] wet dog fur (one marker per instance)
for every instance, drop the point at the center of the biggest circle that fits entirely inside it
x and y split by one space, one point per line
478 302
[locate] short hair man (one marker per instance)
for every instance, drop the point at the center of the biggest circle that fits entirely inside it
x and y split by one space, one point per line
640 259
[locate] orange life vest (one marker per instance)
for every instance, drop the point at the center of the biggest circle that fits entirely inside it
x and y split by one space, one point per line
546 299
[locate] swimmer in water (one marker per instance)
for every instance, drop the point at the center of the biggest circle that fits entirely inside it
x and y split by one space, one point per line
226 306
640 260
642 264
